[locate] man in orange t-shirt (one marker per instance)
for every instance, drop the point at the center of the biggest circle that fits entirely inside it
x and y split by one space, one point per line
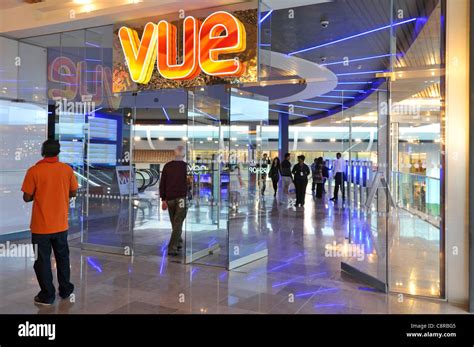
50 184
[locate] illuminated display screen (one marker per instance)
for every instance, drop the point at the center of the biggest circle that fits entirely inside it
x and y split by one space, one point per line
103 139
102 154
72 152
103 129
71 126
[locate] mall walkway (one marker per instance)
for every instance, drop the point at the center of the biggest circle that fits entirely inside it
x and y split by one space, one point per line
296 277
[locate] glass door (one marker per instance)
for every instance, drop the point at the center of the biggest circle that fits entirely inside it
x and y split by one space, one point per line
206 221
369 197
110 189
249 187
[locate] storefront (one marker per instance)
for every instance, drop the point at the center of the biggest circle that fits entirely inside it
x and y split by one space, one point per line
364 78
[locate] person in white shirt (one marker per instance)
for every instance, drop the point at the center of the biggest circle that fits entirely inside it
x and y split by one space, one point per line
338 171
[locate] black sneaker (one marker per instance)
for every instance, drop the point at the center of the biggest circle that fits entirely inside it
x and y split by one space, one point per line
38 301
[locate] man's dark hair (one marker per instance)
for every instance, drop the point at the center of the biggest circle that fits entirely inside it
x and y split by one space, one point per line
338 154
302 157
287 155
50 148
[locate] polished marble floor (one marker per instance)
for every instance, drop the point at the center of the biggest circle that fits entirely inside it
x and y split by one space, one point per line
151 284
296 277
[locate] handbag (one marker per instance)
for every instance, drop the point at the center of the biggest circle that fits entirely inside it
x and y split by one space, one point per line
292 189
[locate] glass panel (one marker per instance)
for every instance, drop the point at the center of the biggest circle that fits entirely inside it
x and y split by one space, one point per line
8 69
31 79
417 123
249 189
160 126
22 131
111 194
367 186
206 221
23 128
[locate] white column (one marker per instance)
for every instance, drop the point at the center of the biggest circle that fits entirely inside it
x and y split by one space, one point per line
457 145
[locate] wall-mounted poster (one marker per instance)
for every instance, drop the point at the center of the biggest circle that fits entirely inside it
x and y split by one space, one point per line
186 50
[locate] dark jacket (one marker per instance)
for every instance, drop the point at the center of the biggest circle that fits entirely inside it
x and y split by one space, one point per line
173 181
285 168
300 172
274 172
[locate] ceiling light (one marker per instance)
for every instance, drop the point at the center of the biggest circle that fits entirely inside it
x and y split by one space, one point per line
354 36
88 8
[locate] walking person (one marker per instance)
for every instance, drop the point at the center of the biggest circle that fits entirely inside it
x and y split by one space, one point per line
339 170
263 172
286 179
318 177
300 173
313 174
50 184
173 193
274 174
325 174
236 184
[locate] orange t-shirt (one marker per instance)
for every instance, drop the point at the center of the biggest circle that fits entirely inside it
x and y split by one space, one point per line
50 182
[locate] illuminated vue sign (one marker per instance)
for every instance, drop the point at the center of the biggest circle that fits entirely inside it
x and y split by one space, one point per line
211 50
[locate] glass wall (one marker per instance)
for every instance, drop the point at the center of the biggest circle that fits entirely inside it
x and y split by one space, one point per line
378 101
23 127
207 218
366 80
417 140
249 164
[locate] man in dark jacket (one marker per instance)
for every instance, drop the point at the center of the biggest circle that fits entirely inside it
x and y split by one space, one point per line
300 173
173 193
286 179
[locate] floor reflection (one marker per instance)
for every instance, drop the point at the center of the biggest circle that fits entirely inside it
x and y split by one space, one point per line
298 276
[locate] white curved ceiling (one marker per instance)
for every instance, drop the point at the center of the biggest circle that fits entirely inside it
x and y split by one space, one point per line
319 80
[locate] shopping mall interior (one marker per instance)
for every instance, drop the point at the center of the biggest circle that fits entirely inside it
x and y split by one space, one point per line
383 82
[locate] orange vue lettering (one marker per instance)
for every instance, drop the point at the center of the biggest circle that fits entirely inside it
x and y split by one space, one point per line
203 43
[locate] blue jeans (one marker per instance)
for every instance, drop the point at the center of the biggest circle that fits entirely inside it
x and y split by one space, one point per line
43 243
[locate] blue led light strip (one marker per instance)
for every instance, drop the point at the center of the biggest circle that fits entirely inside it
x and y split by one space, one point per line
359 59
166 114
265 17
336 97
305 107
350 83
291 114
354 36
361 73
322 102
